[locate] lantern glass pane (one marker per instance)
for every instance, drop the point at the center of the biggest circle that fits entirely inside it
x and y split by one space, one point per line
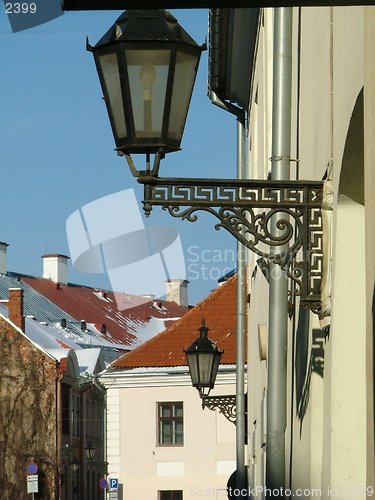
148 76
215 367
182 89
193 368
109 69
205 362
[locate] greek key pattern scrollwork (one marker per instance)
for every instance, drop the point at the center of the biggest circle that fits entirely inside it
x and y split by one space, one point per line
262 215
239 193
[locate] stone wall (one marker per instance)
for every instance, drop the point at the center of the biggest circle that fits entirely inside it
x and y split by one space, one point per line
28 404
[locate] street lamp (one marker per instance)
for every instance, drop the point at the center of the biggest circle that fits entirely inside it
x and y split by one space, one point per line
75 466
147 65
90 452
203 357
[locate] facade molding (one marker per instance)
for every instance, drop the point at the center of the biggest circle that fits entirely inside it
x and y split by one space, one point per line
152 378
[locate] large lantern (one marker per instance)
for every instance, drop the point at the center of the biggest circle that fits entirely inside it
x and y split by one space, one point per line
147 65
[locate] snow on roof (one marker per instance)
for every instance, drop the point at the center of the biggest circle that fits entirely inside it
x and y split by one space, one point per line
56 344
146 330
59 354
100 308
88 360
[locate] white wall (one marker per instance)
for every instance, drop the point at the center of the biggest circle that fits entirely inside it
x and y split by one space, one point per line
257 319
369 109
334 444
201 466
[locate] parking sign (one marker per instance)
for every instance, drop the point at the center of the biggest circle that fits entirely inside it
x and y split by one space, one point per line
113 483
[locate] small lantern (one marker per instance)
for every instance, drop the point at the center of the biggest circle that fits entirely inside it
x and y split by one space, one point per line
90 452
147 65
75 466
203 358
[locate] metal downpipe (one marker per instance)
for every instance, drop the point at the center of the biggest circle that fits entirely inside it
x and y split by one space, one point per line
241 471
278 281
241 478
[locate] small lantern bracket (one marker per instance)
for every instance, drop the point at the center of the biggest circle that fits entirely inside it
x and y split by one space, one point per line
225 404
246 209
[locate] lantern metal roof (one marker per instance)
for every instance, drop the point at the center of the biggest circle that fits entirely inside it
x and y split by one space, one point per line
161 25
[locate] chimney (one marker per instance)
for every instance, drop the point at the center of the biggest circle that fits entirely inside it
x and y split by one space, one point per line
15 307
55 267
177 291
3 257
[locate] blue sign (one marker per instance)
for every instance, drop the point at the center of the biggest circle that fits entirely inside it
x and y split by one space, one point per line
103 484
32 468
113 483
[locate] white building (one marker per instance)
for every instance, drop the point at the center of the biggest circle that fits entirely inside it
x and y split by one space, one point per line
329 432
161 445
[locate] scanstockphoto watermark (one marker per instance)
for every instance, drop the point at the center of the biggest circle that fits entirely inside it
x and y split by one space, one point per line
213 264
209 264
138 259
263 491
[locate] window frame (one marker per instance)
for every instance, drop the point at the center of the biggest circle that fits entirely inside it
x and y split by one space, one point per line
173 418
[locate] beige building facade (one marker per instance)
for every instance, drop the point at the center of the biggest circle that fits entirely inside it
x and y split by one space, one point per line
161 444
329 434
198 465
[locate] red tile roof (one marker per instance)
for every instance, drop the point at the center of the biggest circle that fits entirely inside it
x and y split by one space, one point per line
166 349
100 307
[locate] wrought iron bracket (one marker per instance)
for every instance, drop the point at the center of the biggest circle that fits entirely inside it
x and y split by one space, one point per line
225 404
248 210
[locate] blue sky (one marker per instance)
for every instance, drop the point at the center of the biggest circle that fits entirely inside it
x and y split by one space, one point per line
57 149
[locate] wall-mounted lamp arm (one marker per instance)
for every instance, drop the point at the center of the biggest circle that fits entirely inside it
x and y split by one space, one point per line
245 208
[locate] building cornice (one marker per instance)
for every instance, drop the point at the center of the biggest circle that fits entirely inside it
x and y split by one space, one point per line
160 377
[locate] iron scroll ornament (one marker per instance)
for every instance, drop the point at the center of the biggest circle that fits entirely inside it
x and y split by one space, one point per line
225 404
246 209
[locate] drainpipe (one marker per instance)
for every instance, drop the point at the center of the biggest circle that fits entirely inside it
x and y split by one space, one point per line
58 430
278 281
241 473
103 390
240 339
